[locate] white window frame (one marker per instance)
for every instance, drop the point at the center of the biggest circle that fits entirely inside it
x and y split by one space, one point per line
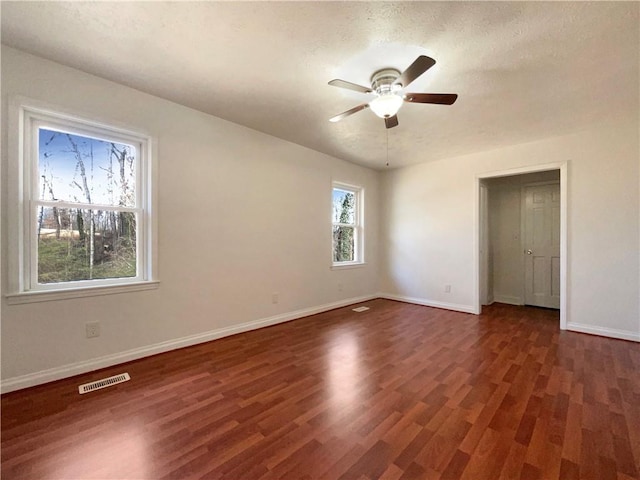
25 117
358 192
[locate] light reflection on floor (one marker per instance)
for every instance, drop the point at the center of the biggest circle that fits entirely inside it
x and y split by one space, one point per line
116 451
344 371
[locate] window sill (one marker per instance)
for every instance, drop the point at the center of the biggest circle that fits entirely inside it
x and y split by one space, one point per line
344 266
69 293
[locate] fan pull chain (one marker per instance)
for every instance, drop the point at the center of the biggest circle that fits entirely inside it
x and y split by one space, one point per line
387 130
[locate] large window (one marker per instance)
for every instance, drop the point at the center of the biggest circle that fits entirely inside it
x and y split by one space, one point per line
347 224
84 204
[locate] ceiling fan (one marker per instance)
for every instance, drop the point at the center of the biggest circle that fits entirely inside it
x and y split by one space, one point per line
387 85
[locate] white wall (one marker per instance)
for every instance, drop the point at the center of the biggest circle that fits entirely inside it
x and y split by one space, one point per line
241 215
428 215
504 233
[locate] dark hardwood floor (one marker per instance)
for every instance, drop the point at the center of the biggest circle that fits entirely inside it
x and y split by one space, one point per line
398 392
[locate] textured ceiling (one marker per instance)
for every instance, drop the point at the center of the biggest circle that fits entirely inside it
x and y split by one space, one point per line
522 70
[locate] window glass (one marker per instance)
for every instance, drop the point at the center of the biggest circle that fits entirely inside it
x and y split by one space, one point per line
344 206
346 228
77 168
80 244
343 244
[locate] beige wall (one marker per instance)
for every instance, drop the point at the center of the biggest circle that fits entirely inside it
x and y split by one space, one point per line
428 218
241 215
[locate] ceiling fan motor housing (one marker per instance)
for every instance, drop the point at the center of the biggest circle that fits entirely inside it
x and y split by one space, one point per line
382 81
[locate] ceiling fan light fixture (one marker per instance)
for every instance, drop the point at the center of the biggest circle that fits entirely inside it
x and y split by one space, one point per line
386 105
388 87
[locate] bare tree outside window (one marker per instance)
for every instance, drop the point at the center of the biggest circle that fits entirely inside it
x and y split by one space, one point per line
345 225
86 213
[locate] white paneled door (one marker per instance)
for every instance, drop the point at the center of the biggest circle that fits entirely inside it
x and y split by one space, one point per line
542 245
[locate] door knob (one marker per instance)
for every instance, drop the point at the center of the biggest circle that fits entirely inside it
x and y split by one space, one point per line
528 252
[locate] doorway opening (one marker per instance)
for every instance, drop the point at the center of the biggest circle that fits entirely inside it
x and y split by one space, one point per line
521 234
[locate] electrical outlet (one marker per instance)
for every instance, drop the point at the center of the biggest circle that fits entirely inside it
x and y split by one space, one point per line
274 297
447 289
93 329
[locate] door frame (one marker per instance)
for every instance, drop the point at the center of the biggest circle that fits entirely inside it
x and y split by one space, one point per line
485 298
563 167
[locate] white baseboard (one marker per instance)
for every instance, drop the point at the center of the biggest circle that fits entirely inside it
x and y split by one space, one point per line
604 332
508 299
430 303
65 371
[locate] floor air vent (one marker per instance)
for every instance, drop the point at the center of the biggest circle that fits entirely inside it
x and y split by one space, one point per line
360 309
104 383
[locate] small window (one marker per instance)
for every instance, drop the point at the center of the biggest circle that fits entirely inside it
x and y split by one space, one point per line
347 224
85 199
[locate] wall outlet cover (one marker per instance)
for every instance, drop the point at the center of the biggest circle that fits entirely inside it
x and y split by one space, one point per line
92 329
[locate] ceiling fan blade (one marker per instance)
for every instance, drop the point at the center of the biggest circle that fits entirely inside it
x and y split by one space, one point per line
350 86
417 68
391 122
437 98
339 117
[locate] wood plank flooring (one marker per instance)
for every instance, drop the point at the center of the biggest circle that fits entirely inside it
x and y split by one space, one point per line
398 392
